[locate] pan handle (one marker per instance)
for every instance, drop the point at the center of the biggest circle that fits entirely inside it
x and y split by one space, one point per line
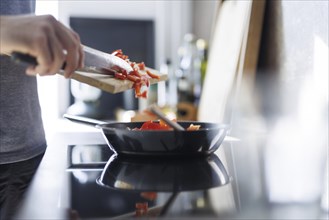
83 120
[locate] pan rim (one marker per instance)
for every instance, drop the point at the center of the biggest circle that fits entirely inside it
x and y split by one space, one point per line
215 126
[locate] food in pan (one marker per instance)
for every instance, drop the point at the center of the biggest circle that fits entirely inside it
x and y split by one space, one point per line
154 125
193 127
149 195
161 125
139 76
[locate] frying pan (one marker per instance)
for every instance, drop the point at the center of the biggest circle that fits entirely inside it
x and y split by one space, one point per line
123 140
163 174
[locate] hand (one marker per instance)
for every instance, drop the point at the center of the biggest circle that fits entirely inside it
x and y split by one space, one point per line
44 38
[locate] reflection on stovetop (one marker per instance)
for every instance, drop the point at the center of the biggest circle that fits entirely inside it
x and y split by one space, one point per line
102 184
88 157
91 201
87 198
163 174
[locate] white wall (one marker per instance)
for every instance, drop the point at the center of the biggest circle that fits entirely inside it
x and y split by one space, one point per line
203 18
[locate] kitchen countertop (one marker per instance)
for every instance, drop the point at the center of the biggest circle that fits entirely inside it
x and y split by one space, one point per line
64 186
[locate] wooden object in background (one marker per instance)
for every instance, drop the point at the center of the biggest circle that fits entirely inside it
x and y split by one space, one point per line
233 52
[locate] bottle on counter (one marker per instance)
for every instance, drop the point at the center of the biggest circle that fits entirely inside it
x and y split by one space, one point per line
189 76
167 91
202 48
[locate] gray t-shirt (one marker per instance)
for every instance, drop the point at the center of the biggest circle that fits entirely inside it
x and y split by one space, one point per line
21 130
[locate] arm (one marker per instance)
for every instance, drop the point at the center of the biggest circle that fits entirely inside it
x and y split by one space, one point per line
44 38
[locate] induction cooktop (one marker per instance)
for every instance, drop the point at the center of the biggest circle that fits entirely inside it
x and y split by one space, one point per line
102 184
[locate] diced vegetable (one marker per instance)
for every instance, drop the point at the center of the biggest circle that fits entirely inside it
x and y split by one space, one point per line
161 125
139 76
193 127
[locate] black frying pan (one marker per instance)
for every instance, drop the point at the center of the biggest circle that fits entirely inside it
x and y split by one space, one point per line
123 140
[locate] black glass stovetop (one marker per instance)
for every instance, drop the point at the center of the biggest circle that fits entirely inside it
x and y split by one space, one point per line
87 198
102 184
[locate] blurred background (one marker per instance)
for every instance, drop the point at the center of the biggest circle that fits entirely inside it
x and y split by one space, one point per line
160 33
260 66
250 61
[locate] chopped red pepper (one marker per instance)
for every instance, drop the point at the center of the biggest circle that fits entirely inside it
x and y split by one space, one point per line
152 75
142 205
141 208
144 94
137 89
141 66
162 125
118 51
153 125
120 76
139 78
135 73
149 195
133 78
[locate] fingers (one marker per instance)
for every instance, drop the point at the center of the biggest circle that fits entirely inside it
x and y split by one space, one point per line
47 57
51 56
72 45
58 56
53 45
